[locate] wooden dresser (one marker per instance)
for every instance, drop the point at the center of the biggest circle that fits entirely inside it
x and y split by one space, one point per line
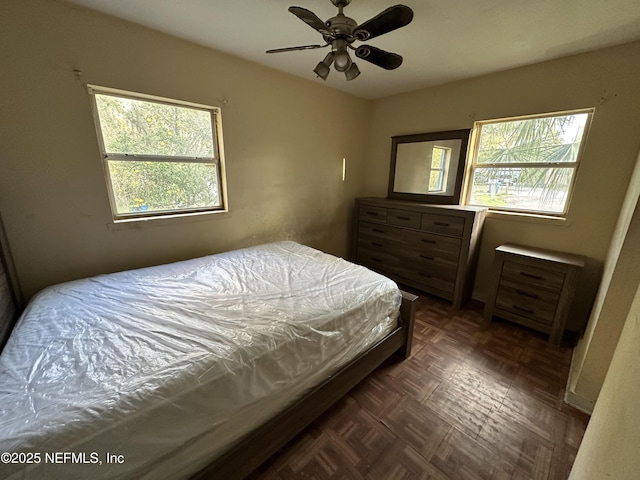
429 247
533 287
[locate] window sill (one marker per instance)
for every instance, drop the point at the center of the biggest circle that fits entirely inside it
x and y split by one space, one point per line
162 220
529 218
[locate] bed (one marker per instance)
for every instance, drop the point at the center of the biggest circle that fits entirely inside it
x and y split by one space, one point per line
201 368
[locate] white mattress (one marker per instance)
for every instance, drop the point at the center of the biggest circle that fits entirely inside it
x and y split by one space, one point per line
169 365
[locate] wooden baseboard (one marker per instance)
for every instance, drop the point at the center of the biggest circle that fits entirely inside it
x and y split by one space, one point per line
579 402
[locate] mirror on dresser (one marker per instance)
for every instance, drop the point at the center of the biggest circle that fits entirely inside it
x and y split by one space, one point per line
428 167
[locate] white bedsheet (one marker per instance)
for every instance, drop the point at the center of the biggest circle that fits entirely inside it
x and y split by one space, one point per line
166 366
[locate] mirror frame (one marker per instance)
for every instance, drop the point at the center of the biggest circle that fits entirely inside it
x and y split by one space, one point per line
454 198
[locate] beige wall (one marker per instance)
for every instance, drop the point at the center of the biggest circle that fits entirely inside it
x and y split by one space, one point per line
606 79
620 281
284 140
609 449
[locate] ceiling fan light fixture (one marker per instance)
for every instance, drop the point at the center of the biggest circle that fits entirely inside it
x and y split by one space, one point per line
323 68
322 71
342 61
353 72
341 32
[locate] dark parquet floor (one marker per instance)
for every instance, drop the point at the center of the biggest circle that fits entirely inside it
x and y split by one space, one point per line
470 404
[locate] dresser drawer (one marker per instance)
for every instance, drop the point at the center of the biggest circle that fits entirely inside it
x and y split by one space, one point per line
378 260
403 218
439 266
376 230
539 308
536 277
428 279
443 224
372 214
379 244
446 247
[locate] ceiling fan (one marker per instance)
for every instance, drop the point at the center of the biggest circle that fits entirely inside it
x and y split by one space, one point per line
341 31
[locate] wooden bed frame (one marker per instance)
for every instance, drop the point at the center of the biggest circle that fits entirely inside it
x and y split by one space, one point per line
254 449
10 296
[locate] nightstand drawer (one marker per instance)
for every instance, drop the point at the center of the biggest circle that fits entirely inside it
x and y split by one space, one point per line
443 224
538 307
403 218
372 214
536 277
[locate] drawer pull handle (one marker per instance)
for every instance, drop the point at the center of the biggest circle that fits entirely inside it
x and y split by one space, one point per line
428 240
402 218
531 275
377 230
373 214
527 294
376 244
522 309
441 224
426 257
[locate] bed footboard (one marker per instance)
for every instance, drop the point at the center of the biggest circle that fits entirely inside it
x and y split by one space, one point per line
263 442
407 316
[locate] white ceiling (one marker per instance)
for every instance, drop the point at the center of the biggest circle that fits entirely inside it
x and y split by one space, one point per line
447 40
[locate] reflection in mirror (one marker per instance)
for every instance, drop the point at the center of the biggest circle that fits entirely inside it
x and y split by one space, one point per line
428 167
423 167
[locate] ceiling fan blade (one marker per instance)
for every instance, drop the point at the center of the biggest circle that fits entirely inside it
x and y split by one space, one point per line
386 21
311 19
292 49
379 57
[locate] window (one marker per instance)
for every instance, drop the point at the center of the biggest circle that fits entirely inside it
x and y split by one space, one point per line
526 164
160 156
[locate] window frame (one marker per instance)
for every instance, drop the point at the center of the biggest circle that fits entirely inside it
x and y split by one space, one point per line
217 159
472 165
443 170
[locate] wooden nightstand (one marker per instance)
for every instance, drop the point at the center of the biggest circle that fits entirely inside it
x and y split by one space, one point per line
533 287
